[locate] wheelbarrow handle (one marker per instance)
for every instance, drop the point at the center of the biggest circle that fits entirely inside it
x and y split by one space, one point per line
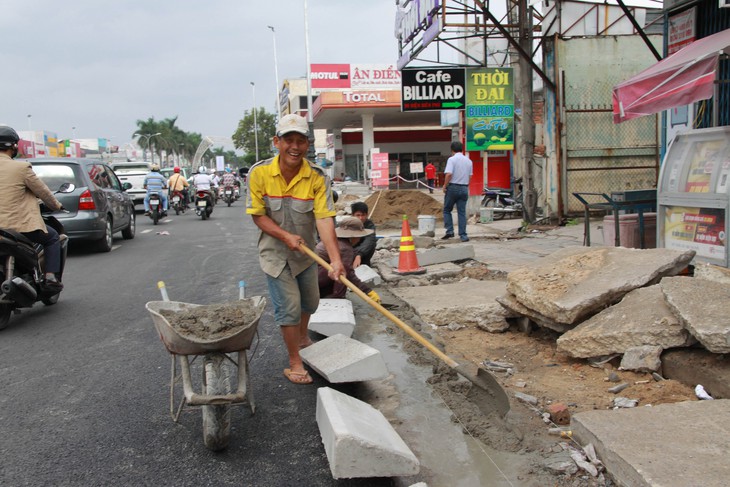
410 331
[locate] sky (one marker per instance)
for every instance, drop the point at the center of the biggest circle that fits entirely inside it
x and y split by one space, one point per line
100 65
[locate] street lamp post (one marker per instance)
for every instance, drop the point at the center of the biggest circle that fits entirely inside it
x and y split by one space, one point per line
277 105
32 135
310 120
149 136
255 121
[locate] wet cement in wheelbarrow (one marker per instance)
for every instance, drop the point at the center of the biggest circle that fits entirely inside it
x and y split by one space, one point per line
211 322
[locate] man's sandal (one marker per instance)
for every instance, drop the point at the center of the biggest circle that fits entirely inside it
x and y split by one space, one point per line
298 377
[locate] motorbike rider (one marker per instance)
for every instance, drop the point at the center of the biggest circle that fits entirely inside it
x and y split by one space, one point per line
155 182
202 182
19 189
228 179
177 182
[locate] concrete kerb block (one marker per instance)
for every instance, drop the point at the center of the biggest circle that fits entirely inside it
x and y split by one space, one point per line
333 317
341 359
358 440
368 275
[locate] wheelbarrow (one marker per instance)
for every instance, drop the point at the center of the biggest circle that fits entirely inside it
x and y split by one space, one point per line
218 367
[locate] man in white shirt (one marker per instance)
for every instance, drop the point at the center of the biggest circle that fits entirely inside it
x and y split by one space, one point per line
458 172
203 182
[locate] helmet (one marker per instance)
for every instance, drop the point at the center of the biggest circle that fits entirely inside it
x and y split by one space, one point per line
176 169
203 170
8 136
155 167
228 169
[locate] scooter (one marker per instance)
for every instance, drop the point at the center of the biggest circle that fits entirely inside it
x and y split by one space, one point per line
22 268
502 200
203 204
228 195
177 202
156 211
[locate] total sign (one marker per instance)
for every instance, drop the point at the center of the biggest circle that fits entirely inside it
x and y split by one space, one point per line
432 89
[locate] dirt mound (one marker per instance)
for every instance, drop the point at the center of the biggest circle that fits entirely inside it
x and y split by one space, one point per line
388 207
212 322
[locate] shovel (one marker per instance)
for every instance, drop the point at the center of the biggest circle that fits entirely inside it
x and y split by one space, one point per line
485 393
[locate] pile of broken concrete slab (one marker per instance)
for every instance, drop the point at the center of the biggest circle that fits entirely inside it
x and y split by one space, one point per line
612 300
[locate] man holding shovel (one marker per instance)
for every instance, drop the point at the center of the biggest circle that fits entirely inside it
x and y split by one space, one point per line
289 199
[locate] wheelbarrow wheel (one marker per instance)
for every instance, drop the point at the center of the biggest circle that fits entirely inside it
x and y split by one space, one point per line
216 419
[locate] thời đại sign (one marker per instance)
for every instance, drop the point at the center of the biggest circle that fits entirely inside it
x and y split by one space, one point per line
490 108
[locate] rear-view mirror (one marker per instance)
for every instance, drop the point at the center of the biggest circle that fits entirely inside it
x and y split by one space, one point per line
67 188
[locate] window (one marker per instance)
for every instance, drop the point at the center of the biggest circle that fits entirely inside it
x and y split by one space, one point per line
54 175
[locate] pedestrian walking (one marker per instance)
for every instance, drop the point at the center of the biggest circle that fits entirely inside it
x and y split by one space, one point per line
430 170
458 172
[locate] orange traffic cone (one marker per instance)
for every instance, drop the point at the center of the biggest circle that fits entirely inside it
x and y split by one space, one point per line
407 260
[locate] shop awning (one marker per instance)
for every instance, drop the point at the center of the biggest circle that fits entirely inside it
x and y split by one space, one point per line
686 76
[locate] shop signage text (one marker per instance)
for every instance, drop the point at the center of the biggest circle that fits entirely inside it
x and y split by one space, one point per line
432 89
489 109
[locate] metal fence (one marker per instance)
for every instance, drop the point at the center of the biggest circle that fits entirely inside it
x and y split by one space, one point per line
600 156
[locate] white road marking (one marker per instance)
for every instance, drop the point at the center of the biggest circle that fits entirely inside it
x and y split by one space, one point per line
147 230
115 247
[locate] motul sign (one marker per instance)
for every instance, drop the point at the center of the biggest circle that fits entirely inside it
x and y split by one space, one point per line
330 76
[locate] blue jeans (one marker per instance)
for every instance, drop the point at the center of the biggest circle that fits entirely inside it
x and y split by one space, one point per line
163 197
459 196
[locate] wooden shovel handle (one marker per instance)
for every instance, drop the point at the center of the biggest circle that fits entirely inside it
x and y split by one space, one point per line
410 331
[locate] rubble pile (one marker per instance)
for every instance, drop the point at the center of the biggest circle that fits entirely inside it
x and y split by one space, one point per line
388 207
611 302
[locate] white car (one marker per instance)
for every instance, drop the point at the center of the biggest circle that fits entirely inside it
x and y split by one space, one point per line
133 173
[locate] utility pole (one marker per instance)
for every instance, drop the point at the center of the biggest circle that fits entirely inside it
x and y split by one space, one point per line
527 126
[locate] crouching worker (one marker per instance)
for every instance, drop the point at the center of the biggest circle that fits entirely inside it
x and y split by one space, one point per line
349 232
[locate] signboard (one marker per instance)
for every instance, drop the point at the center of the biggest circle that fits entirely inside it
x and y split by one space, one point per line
681 30
220 163
379 169
329 76
698 229
490 109
374 77
354 76
432 89
421 16
416 167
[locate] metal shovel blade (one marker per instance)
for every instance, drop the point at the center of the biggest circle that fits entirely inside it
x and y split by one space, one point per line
486 393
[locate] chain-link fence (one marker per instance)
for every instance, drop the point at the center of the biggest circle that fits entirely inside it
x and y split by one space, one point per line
600 156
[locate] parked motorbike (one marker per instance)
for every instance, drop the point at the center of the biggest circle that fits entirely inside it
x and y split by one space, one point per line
23 268
177 202
156 210
503 202
228 195
203 203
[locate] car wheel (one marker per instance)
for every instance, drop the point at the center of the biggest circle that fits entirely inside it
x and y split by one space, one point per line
105 243
128 233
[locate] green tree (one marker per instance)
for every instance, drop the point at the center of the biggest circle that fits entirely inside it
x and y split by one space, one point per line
244 137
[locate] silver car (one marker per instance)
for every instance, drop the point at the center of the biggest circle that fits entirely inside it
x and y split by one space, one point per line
98 207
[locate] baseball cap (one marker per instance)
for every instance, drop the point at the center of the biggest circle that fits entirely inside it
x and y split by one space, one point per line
292 123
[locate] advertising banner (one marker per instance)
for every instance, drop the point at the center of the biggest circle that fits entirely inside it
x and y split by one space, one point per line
374 77
433 89
698 229
379 169
330 76
681 30
490 109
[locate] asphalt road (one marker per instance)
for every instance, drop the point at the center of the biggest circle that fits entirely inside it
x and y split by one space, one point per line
85 382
